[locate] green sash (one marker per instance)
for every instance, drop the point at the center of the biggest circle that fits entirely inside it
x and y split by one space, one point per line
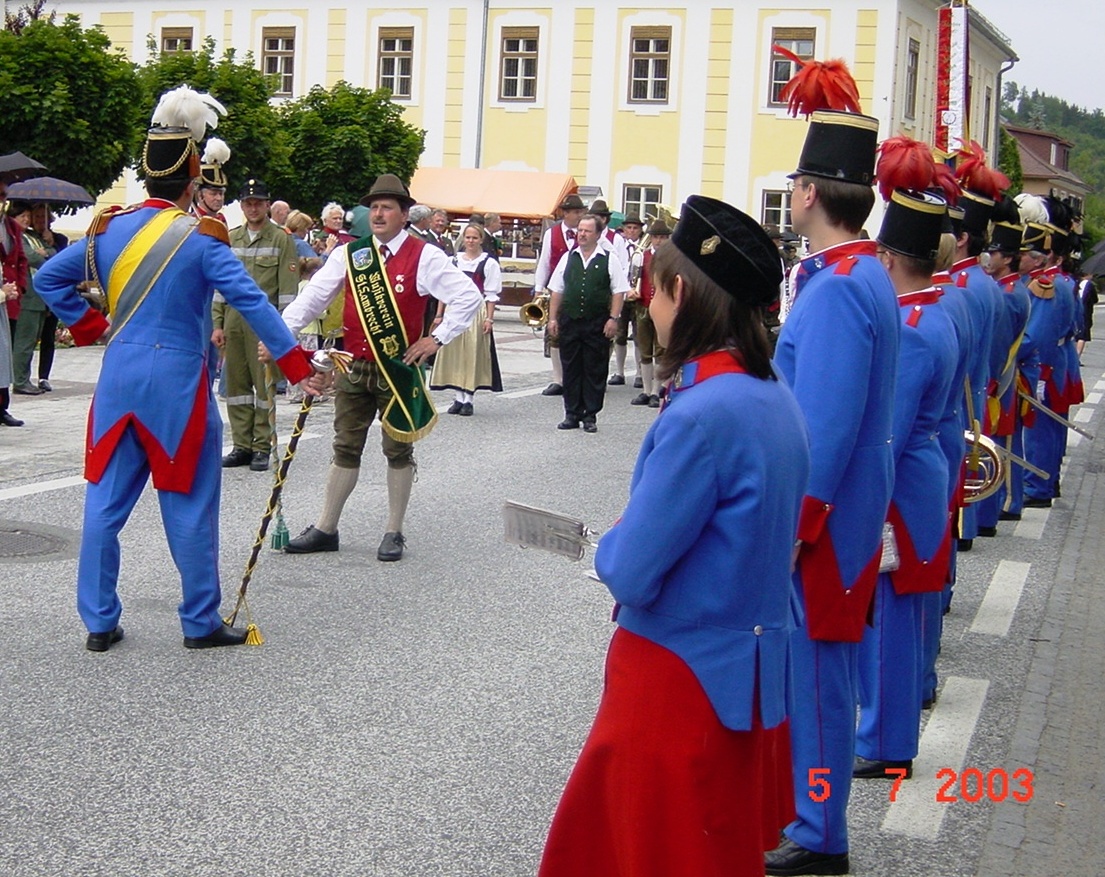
410 415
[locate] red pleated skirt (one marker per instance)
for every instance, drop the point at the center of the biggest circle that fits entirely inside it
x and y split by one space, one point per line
662 788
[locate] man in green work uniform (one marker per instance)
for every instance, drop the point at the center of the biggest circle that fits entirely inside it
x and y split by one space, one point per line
269 256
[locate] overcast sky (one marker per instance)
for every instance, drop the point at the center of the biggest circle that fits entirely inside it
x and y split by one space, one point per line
1059 44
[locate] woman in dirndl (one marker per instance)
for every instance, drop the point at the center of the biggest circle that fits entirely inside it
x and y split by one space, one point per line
684 768
468 362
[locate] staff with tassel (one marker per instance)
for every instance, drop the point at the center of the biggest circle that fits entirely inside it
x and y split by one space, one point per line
326 361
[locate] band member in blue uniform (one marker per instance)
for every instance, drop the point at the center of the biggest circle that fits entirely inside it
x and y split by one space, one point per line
838 349
670 780
153 411
890 659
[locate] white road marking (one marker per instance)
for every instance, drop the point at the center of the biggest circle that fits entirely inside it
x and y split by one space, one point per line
916 812
995 615
1083 415
1092 399
1031 524
1100 385
1074 439
521 394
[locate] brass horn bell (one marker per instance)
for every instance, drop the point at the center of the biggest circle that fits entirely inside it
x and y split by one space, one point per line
985 467
535 314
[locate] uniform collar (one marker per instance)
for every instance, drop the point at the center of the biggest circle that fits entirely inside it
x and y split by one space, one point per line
838 253
701 368
964 264
920 297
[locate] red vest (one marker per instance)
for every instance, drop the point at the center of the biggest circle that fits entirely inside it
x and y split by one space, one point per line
646 279
558 246
402 270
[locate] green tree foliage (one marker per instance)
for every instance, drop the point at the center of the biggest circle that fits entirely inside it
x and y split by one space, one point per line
250 127
1009 163
338 141
68 101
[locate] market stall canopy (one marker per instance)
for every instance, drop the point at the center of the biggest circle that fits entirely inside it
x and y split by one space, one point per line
512 194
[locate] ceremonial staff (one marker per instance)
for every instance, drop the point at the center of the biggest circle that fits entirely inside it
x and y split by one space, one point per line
324 360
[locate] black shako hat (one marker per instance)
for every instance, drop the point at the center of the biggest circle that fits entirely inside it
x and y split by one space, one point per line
730 248
954 223
170 154
840 146
254 189
389 186
1036 237
912 224
977 212
1005 237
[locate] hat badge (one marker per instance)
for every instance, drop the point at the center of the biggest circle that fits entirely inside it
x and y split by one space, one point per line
709 245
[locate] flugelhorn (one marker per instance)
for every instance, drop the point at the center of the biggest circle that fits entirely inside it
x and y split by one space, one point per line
535 314
985 467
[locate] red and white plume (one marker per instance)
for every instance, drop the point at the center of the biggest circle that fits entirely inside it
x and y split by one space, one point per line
819 85
904 163
973 174
186 108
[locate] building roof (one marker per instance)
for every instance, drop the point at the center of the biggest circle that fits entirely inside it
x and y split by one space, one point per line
515 194
1035 168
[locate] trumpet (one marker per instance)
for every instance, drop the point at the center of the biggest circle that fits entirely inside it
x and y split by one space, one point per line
535 314
985 467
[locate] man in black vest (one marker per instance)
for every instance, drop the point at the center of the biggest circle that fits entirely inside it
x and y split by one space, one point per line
587 289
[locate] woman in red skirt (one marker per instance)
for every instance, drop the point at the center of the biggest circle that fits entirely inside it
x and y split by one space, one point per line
679 774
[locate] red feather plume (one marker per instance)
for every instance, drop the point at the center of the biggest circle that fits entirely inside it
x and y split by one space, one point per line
973 174
819 85
904 163
945 179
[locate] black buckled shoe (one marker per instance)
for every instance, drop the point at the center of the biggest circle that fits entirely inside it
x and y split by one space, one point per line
260 461
101 642
638 383
6 419
455 407
27 389
964 544
1032 502
869 769
45 385
791 859
640 399
1009 516
223 635
987 531
653 401
616 380
553 389
466 409
568 423
391 547
311 540
238 457
590 426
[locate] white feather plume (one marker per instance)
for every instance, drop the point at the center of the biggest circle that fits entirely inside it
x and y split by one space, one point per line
216 151
1032 208
186 108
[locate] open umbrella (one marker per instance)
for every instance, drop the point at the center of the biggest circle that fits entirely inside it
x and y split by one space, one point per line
17 166
1095 264
49 190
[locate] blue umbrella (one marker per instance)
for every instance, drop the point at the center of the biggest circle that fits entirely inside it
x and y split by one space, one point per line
17 166
49 190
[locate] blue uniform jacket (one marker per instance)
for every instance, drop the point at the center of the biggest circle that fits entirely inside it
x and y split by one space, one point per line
1019 345
983 300
1048 322
839 352
154 374
700 560
954 303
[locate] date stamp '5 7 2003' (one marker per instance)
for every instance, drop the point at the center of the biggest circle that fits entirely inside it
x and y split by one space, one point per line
970 784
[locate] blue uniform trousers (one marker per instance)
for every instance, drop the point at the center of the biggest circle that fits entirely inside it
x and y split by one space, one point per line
823 736
889 677
932 625
1043 446
191 522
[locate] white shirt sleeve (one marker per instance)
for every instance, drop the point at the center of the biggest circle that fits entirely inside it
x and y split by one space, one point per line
556 282
492 279
327 284
439 277
544 269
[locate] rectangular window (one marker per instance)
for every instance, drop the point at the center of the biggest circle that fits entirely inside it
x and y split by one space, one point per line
396 60
176 39
800 41
987 115
278 57
641 200
518 74
912 68
775 210
649 64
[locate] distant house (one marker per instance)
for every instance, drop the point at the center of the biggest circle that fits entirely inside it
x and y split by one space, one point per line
1045 165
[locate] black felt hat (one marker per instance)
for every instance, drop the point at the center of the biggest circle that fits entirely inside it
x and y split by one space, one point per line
572 202
732 249
254 189
389 186
840 146
599 208
977 212
913 223
659 227
1006 237
632 219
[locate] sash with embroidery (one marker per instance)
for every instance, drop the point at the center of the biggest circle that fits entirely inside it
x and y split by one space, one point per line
141 263
410 415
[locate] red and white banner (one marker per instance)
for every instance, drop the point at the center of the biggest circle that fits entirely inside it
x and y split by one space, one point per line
953 99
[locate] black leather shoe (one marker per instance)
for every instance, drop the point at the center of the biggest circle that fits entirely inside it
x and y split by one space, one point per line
964 544
654 401
791 859
466 409
27 389
223 635
867 769
616 380
638 383
238 457
260 461
568 423
45 386
553 389
640 399
101 642
928 703
1009 516
1031 502
590 426
391 547
311 540
7 420
987 531
455 408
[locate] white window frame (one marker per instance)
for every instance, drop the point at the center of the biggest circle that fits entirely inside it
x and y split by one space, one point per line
640 202
396 55
284 58
652 35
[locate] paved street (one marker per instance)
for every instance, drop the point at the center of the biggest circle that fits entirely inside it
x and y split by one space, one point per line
421 718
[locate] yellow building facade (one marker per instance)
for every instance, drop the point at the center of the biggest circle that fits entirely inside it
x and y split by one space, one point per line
646 102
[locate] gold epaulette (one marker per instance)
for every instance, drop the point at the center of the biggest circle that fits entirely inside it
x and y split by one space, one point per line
103 217
1042 287
214 228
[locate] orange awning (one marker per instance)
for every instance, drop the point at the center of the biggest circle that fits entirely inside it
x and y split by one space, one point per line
512 194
